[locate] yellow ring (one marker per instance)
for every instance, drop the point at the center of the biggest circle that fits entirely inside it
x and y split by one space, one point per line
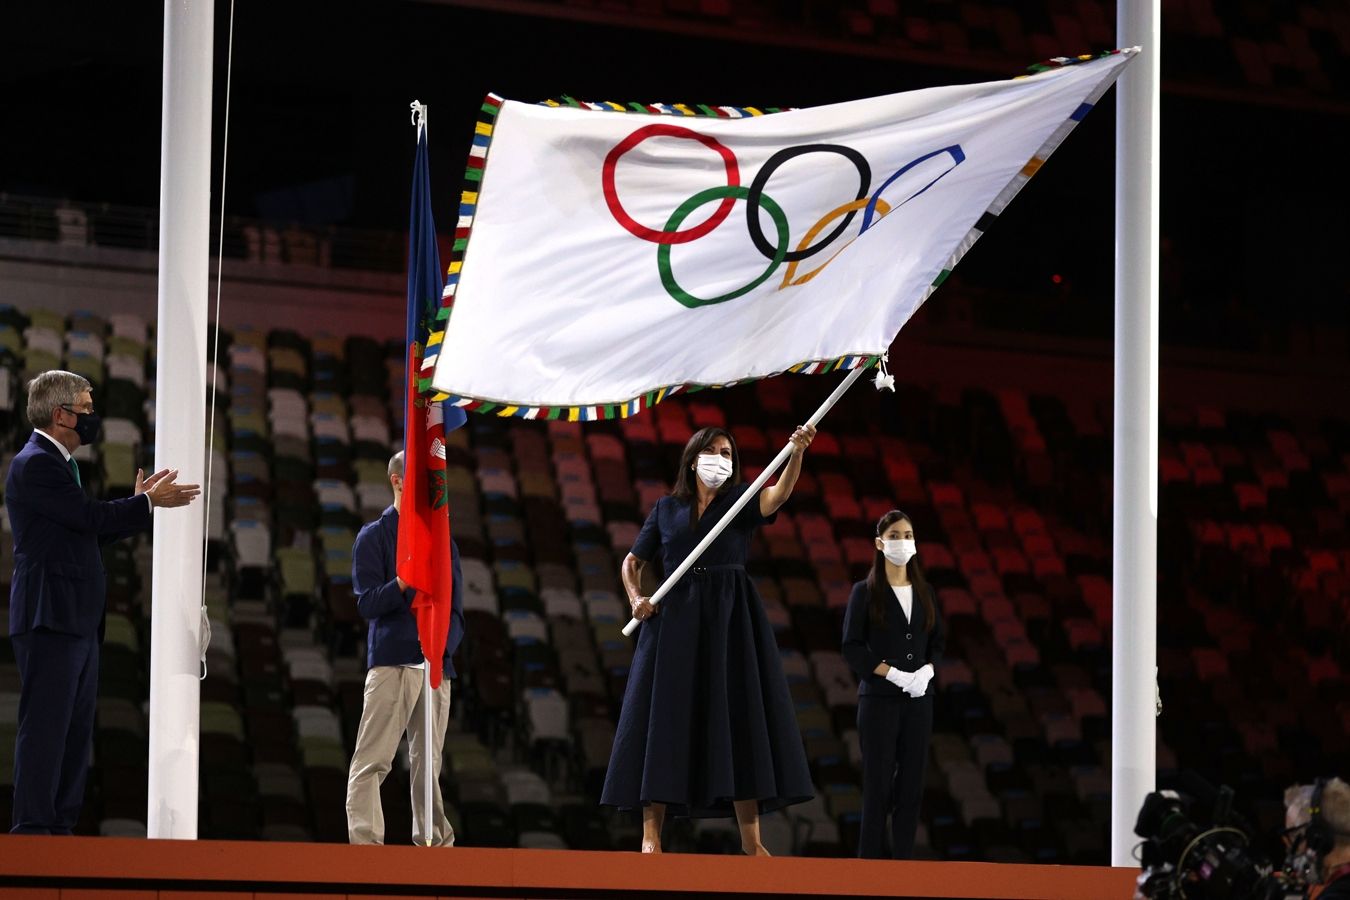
882 208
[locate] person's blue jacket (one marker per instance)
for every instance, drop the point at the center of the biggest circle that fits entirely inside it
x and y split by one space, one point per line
392 636
59 582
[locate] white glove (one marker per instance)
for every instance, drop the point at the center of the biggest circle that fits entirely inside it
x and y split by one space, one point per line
919 686
902 680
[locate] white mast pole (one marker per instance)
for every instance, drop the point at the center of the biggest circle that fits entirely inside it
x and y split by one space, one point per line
180 415
1134 557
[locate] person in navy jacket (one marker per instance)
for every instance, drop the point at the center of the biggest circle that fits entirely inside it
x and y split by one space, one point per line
394 690
57 595
893 636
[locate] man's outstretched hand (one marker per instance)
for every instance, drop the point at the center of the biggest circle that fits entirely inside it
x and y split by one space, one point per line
163 489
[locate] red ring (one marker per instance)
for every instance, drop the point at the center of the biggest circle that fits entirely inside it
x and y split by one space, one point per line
654 235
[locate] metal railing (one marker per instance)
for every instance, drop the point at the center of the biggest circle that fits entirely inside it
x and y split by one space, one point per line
74 223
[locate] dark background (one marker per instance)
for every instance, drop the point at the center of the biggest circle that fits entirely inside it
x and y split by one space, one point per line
320 135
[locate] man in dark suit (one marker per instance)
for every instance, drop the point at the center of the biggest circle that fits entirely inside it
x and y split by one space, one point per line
395 694
57 595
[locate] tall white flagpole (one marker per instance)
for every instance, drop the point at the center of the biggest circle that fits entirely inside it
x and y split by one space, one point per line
1134 558
180 415
673 578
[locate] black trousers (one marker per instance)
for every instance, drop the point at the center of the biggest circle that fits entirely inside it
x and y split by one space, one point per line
894 733
58 693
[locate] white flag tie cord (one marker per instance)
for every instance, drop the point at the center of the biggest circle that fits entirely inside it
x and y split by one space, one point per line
620 258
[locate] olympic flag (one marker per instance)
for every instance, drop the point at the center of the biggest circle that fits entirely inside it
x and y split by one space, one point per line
607 257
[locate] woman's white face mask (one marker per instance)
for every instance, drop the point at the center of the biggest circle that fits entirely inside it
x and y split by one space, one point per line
898 552
713 469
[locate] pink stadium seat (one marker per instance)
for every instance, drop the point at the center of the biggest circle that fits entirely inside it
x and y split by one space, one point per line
826 443
1046 564
844 507
935 556
1021 652
858 551
704 415
1337 483
873 508
945 494
1010 561
1240 536
672 431
1274 536
1209 532
1323 668
1250 496
956 602
1207 475
814 527
986 587
824 551
975 563
1196 455
1173 470
999 609
1035 544
989 517
1226 455
1082 633
1209 663
639 429
835 483
1085 701
1028 522
1032 606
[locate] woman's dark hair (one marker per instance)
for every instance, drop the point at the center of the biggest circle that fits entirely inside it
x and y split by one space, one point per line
879 591
702 439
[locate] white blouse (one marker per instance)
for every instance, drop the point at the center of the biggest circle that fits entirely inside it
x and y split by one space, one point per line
905 595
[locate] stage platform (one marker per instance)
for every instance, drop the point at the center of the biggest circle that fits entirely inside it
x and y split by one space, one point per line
57 868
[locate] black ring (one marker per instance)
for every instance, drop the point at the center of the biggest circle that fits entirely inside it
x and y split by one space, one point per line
762 244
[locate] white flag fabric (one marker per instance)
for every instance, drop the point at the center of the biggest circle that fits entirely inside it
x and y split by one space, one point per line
607 258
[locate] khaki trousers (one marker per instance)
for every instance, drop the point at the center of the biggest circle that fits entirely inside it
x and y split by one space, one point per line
393 706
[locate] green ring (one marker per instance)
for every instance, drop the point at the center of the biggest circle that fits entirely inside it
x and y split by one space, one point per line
738 192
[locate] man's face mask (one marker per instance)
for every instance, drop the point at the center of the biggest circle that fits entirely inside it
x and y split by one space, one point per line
87 425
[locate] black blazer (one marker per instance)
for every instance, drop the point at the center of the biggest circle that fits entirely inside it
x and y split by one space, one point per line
59 583
907 646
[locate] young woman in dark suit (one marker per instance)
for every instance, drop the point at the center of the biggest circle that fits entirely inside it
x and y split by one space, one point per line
893 635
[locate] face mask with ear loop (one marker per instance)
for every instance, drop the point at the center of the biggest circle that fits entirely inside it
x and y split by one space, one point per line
713 470
898 553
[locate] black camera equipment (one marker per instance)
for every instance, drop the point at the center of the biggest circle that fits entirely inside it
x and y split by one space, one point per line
1195 846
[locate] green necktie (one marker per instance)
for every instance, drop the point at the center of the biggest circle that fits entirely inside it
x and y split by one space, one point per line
75 467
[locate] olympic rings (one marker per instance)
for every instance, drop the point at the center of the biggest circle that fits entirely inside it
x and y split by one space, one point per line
732 193
873 208
771 165
651 234
882 208
958 157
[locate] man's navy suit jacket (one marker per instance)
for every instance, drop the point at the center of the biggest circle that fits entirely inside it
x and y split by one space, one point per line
59 582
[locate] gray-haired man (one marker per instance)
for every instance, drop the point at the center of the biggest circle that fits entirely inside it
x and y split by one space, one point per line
57 595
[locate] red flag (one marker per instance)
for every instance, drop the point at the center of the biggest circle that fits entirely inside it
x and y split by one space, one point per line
424 561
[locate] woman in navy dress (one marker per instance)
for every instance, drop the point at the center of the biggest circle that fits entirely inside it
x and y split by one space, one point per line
708 726
893 635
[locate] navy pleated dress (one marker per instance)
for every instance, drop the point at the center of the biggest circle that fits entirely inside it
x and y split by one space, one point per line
707 717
